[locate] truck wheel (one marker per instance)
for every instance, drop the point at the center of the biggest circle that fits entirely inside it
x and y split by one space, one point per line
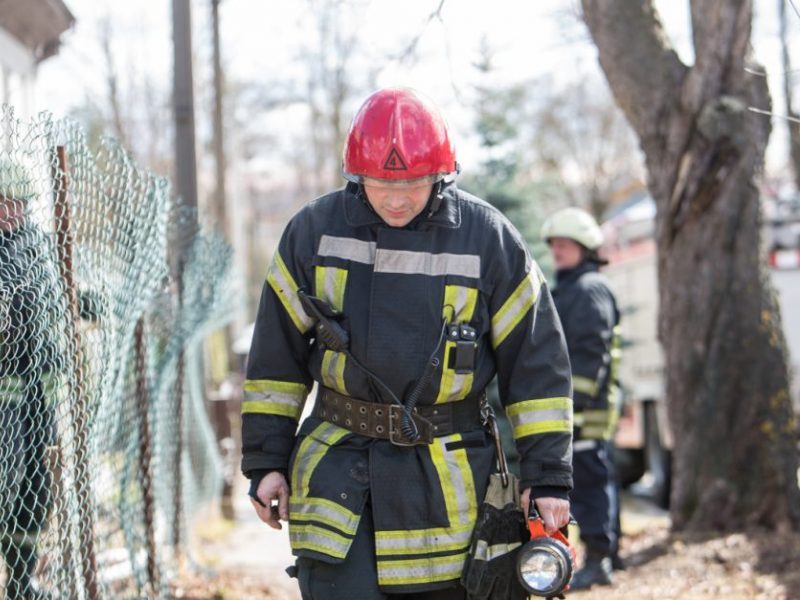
658 458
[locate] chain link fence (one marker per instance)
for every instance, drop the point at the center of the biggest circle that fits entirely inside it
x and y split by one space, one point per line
107 290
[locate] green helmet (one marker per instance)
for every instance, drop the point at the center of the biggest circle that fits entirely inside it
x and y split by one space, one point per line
16 181
575 224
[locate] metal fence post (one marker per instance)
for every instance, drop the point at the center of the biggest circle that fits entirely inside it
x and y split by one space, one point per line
78 412
145 454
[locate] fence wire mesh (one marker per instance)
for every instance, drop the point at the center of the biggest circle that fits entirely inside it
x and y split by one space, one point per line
107 289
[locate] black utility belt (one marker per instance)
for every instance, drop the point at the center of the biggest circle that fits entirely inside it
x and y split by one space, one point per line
383 421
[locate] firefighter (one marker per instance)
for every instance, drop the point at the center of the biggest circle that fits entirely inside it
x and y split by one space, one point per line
588 311
401 297
29 304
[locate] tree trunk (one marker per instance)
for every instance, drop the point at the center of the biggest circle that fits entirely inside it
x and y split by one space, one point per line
727 384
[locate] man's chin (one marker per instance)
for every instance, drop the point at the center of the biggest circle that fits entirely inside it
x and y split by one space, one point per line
396 221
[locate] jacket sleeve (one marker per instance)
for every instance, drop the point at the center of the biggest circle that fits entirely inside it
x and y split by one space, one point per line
590 347
533 370
277 380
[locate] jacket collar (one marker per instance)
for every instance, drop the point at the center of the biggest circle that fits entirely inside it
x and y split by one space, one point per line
566 276
359 213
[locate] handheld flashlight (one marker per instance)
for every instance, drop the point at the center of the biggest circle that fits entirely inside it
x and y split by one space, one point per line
545 563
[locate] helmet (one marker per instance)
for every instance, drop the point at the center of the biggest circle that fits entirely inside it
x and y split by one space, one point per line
398 136
15 181
575 224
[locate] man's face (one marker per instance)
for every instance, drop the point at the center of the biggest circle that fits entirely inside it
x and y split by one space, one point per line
12 213
567 253
397 203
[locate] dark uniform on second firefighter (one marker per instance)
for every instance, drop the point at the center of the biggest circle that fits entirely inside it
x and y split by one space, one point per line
29 305
369 518
588 311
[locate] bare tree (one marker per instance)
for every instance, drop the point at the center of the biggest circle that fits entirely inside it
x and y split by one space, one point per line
105 33
581 135
330 85
735 455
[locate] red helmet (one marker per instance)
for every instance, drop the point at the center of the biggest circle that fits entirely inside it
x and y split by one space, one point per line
398 135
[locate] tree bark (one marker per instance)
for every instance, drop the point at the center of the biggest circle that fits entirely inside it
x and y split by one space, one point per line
727 383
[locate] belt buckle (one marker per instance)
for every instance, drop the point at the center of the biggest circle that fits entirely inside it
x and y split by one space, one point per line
396 436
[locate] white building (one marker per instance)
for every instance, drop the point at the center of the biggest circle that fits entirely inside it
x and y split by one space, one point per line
30 32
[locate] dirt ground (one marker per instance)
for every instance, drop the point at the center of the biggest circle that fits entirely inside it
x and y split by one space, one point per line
245 560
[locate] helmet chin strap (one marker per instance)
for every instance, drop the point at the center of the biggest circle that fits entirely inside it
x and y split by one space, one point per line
435 202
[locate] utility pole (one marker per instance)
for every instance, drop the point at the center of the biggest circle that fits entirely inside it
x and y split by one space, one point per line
219 140
219 407
186 184
183 104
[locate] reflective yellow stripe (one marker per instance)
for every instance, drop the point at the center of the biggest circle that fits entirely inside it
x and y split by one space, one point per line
16 389
323 511
485 552
459 303
312 449
333 364
423 541
459 307
458 490
516 307
598 424
12 389
318 539
273 397
545 415
284 286
584 385
420 570
330 284
455 477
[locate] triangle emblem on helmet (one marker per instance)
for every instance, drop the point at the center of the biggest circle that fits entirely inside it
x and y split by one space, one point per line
395 162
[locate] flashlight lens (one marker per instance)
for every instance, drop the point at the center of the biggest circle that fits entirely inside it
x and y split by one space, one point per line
544 567
541 570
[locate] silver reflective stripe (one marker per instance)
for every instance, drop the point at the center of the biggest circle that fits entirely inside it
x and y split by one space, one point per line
483 551
389 543
584 445
515 307
424 263
420 570
318 539
541 416
281 398
347 248
285 288
463 490
324 511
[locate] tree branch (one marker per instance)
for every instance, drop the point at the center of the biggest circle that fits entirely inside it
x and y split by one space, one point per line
644 72
721 34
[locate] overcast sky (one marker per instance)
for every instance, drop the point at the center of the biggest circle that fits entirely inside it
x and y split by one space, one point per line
261 40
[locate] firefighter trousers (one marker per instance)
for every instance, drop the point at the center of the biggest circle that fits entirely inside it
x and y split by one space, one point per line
356 578
594 499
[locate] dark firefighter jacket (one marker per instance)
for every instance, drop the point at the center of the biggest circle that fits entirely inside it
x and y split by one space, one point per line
589 315
30 304
464 263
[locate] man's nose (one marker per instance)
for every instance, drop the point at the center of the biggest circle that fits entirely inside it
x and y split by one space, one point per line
396 200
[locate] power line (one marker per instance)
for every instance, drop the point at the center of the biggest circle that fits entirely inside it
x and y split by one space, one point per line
794 6
761 111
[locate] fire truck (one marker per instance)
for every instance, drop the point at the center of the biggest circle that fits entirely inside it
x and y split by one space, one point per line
643 438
